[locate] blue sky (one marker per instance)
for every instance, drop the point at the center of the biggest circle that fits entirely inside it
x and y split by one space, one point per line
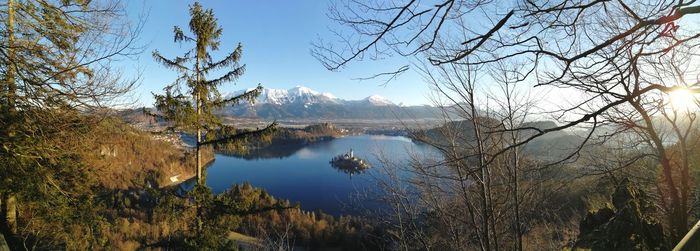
276 37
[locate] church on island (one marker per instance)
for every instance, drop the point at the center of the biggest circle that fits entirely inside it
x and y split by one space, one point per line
348 161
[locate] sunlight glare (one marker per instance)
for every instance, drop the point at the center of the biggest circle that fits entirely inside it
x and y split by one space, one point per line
683 99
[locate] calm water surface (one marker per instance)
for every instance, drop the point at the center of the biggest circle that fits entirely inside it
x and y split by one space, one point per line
306 176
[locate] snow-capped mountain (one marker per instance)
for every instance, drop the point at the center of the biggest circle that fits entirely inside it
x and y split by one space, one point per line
304 103
298 94
307 96
378 100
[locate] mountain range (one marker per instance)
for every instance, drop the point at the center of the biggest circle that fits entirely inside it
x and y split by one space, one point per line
304 103
304 95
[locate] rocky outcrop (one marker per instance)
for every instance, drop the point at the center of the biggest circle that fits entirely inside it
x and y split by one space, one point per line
625 226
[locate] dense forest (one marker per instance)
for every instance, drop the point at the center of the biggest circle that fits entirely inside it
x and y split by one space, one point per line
612 166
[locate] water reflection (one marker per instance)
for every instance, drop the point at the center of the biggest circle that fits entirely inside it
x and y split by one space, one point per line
349 170
302 173
280 149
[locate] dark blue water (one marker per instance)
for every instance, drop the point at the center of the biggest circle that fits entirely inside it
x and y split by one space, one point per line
307 177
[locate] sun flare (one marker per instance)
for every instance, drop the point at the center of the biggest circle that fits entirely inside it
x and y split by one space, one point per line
683 99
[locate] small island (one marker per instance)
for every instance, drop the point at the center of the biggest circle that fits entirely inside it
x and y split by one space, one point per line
349 164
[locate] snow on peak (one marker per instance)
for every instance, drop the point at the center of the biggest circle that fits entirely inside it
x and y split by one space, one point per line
301 90
379 100
273 96
298 94
306 96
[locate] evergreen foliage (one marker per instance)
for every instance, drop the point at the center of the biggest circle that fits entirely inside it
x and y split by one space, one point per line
190 102
53 87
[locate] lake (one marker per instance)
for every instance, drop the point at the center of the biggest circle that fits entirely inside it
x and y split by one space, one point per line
306 176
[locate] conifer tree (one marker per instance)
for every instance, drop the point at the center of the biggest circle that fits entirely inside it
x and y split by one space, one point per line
190 102
51 78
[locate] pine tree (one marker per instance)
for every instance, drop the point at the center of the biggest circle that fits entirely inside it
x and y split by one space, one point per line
190 101
50 79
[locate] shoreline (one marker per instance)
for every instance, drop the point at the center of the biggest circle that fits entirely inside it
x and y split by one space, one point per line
188 176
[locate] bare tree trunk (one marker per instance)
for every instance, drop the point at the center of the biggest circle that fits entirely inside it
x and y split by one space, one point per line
514 176
198 109
677 215
9 203
9 209
10 74
199 142
684 177
514 135
199 128
485 211
516 203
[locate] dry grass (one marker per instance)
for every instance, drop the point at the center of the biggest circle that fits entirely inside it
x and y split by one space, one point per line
244 239
124 157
